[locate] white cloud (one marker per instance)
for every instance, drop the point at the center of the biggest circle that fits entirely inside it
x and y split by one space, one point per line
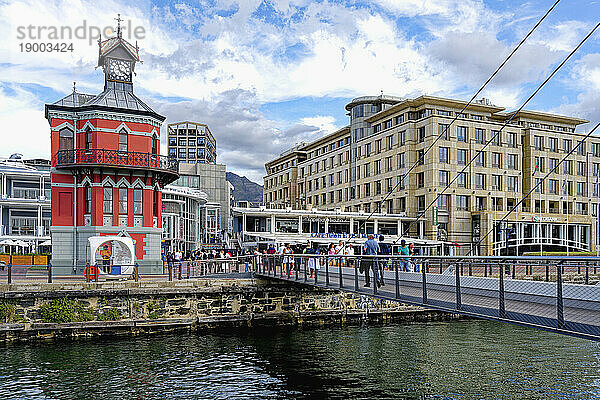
322 122
26 129
226 67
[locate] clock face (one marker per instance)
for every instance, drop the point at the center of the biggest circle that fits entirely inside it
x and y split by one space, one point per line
119 70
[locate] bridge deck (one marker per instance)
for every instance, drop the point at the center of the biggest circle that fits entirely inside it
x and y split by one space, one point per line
531 303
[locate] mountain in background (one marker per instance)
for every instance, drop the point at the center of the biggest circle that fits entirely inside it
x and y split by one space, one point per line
245 189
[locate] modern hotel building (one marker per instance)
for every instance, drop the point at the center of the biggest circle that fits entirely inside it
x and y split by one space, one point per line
359 168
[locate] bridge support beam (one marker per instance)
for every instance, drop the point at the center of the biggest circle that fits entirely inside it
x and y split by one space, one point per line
501 309
458 295
424 282
560 318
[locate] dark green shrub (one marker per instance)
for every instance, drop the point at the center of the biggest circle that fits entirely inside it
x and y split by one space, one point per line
65 310
112 314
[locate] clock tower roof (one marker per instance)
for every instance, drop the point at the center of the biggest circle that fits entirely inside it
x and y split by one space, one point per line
117 47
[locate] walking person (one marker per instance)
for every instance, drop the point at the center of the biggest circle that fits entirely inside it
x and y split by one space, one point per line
403 251
313 262
371 248
384 250
411 252
349 251
271 258
287 258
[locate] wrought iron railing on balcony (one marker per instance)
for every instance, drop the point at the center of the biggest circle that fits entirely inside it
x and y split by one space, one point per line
116 158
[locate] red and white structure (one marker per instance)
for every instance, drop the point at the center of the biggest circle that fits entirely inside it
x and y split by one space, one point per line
107 171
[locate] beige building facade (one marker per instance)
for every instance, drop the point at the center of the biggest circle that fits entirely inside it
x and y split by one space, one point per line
367 166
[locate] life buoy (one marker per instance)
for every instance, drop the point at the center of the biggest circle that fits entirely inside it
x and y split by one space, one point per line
90 272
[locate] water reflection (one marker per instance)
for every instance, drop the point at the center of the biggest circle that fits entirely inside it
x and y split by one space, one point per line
455 360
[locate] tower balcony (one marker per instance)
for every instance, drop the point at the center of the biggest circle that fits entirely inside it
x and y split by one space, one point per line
165 167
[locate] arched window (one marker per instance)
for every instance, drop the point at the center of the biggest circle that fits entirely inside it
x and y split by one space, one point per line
138 205
122 140
107 200
65 139
123 200
88 138
87 198
154 145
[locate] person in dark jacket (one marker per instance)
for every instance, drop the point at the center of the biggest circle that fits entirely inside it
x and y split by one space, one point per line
384 250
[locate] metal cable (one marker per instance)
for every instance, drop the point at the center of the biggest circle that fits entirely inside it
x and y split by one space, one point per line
363 223
535 187
508 121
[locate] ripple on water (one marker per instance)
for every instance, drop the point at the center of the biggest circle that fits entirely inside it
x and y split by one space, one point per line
454 360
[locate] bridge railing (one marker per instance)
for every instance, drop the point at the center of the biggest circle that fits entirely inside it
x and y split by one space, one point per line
176 270
555 293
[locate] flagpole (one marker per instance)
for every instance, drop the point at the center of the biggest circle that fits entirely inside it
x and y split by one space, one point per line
541 241
517 227
568 201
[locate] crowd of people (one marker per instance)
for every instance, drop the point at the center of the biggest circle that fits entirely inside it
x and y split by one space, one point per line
177 256
342 255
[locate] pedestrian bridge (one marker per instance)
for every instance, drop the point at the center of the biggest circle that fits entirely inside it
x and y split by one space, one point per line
558 294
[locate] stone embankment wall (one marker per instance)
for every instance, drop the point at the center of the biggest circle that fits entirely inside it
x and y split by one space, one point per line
80 310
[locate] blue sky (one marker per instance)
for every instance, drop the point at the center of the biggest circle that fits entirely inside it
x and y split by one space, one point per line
268 74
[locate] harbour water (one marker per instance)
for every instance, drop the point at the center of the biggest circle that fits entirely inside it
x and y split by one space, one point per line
446 360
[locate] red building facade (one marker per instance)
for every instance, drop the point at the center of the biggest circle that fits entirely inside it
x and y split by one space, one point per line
107 171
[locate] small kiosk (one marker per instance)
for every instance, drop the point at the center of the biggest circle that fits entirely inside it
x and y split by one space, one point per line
112 257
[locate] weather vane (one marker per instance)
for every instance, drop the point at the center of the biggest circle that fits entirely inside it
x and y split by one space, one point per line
118 19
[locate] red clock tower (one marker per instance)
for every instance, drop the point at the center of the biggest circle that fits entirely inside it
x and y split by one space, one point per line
107 171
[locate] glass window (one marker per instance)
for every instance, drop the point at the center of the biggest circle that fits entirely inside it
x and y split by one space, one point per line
401 162
512 183
154 145
496 138
107 200
480 181
390 142
87 193
480 159
65 139
462 135
496 182
444 155
443 201
421 134
443 131
479 135
122 200
88 138
172 141
512 139
444 178
137 201
512 161
191 154
463 180
496 160
123 140
462 202
461 156
402 138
